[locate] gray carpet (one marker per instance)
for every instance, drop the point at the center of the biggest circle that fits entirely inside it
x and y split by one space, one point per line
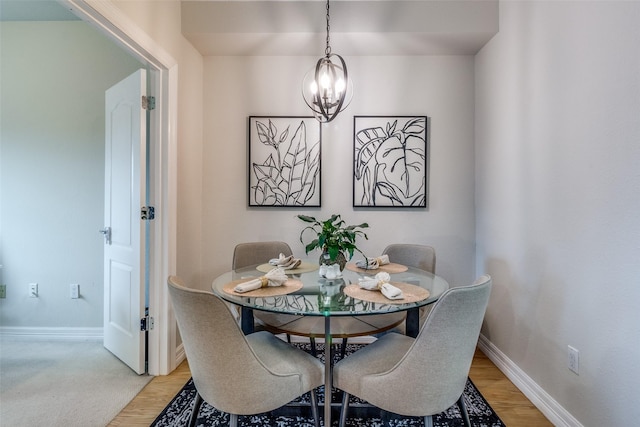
57 383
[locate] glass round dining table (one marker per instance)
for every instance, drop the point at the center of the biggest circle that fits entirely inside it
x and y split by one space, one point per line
309 294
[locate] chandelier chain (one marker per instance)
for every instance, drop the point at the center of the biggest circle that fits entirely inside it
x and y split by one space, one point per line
327 50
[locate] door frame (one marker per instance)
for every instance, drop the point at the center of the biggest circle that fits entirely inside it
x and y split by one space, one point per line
163 72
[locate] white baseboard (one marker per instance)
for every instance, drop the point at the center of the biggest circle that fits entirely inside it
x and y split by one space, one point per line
62 334
551 409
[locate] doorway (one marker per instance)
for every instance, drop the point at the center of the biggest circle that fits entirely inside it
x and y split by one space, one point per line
163 71
164 83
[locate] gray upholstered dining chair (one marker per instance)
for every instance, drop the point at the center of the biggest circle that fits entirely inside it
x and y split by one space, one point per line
252 253
412 255
239 374
420 376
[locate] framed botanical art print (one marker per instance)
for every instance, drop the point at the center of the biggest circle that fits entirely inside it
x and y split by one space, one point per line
390 161
284 161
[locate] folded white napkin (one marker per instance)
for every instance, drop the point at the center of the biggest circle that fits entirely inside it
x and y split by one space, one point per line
391 292
381 282
373 263
286 262
275 277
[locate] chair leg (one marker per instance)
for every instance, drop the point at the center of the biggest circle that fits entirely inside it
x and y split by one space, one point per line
289 338
428 421
233 420
314 407
196 408
313 347
463 411
385 416
343 349
345 408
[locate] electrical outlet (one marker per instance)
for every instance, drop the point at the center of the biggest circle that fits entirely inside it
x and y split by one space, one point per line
33 290
75 291
3 291
573 360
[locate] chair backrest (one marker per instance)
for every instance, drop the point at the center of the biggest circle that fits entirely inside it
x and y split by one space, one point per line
251 253
418 256
225 369
436 367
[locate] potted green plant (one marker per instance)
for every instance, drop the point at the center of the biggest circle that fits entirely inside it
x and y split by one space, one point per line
333 237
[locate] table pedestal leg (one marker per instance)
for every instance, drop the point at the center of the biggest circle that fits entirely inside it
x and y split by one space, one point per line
327 371
412 323
246 320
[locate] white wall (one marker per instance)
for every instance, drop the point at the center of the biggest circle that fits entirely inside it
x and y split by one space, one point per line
438 87
558 200
53 79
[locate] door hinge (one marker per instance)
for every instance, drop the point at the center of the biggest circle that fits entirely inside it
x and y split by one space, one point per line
146 323
148 102
147 213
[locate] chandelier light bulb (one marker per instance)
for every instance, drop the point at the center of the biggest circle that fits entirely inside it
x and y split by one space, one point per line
325 82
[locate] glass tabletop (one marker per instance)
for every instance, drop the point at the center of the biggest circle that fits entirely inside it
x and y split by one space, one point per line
319 296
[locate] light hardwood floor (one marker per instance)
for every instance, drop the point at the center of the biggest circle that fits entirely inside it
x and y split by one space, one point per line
508 402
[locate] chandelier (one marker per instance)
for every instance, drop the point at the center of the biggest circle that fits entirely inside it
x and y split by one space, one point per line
327 88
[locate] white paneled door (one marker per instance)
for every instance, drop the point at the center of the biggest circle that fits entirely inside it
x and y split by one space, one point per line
125 169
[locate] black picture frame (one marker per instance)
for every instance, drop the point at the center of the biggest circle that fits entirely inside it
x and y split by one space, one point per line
284 161
390 161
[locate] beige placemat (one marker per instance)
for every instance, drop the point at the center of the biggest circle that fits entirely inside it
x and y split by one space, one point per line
304 267
291 285
389 268
412 293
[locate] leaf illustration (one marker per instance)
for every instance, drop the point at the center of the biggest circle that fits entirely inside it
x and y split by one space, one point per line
419 200
389 191
404 164
415 126
284 135
391 128
264 133
312 161
368 187
294 162
309 179
268 170
366 145
267 193
267 190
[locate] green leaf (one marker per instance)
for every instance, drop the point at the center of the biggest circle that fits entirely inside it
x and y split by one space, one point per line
306 218
311 246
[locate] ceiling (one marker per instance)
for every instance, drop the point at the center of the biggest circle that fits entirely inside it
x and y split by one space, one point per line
298 27
358 27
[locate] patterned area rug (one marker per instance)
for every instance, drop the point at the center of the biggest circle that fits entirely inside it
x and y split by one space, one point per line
178 412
